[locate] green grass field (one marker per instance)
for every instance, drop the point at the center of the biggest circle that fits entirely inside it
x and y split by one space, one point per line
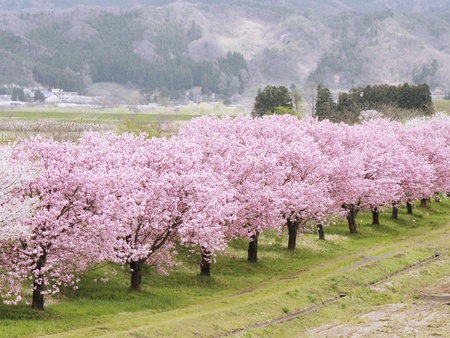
240 294
107 117
25 122
113 115
442 106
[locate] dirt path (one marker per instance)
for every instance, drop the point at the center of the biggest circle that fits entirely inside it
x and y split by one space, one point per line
427 316
421 319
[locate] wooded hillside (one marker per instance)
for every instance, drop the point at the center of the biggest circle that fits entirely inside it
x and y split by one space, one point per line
225 47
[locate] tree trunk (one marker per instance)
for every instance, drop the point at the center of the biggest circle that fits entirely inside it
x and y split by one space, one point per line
321 232
205 266
38 296
38 284
375 217
423 203
395 210
293 230
351 218
409 210
253 249
136 274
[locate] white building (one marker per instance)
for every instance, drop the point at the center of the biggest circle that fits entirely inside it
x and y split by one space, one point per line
60 96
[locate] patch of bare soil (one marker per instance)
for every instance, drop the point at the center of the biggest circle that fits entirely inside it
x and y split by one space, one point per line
443 288
437 293
429 316
419 319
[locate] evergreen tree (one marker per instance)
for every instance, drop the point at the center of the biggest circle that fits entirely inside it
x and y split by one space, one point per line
268 100
379 97
39 96
194 32
18 94
325 106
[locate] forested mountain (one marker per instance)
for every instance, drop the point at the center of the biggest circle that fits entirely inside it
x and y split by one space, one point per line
224 47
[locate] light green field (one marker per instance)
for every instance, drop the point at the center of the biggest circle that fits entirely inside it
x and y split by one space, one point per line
442 106
89 117
239 296
110 116
68 123
115 115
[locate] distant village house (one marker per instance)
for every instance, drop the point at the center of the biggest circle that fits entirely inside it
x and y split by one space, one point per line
57 95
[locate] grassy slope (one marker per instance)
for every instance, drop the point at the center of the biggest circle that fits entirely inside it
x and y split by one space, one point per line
240 294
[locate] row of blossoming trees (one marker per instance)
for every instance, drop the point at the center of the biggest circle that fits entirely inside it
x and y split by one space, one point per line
132 200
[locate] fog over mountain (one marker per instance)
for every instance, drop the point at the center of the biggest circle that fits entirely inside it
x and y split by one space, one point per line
324 6
225 47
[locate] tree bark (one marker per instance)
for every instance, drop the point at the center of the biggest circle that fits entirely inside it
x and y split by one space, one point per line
351 218
253 249
409 210
321 232
136 274
375 217
423 203
38 285
38 296
292 230
205 266
395 210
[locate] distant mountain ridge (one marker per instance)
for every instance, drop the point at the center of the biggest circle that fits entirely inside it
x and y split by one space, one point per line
225 47
324 6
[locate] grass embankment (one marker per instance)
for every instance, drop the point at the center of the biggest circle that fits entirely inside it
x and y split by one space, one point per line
240 294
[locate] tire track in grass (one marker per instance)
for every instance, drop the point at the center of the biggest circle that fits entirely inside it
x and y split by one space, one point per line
212 314
329 301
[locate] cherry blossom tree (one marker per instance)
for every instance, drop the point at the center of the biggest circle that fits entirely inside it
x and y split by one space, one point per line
62 240
237 150
212 206
382 166
158 193
365 174
304 170
277 172
346 170
430 139
416 174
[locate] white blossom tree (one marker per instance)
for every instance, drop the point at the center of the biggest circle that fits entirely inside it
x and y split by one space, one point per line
13 208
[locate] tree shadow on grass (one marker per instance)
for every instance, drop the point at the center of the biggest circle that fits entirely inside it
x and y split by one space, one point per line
12 313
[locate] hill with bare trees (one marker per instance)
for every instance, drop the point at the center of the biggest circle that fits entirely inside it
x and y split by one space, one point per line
224 47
